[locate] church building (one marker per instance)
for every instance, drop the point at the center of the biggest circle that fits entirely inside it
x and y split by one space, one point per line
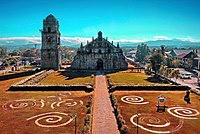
99 54
50 51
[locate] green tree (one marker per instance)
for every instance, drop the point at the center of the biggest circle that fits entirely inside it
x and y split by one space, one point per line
156 59
162 49
29 53
3 52
175 63
9 61
142 52
190 63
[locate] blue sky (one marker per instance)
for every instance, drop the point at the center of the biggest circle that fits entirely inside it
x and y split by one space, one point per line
117 19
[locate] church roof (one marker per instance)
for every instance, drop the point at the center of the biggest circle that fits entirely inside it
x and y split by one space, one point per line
99 42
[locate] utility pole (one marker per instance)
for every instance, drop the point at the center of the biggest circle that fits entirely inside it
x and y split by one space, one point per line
137 125
75 115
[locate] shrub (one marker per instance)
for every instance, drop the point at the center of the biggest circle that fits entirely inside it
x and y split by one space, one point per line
88 110
86 130
87 119
124 130
120 122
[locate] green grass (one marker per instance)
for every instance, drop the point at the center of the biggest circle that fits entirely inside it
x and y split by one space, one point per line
67 78
133 78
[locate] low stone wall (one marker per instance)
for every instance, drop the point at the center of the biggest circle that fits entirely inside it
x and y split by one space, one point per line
29 78
148 88
86 88
16 75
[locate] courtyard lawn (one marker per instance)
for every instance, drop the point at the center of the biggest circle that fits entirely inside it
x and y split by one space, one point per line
5 84
39 112
42 112
67 78
183 120
127 77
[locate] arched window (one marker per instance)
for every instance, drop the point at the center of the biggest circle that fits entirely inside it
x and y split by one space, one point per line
90 51
109 50
49 29
49 55
100 51
49 39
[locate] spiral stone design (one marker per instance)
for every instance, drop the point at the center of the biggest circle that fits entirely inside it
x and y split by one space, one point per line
68 103
52 119
52 98
154 124
64 94
19 104
183 112
133 100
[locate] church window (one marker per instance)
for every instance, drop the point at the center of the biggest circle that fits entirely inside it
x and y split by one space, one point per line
109 50
49 39
49 55
90 51
49 29
100 51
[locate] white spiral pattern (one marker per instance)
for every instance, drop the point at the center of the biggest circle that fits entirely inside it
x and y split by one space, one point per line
52 98
155 123
183 112
68 103
19 104
52 119
65 94
133 100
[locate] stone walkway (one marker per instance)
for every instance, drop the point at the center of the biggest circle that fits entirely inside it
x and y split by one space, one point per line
104 121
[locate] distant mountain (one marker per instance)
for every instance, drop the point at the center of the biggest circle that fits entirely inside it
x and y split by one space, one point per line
28 43
174 43
16 44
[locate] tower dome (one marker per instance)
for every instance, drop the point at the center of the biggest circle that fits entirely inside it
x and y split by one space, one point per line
51 18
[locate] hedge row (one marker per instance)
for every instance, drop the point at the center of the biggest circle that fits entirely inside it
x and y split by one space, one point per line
149 87
109 82
88 118
92 81
120 121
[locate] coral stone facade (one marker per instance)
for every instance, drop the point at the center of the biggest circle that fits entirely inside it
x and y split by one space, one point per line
50 52
99 54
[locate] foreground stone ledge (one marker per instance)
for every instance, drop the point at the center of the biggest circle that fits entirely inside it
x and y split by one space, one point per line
86 88
113 88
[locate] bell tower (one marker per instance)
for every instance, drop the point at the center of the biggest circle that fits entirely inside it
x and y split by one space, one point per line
50 52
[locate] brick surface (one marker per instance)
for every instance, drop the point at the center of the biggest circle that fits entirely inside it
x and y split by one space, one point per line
104 121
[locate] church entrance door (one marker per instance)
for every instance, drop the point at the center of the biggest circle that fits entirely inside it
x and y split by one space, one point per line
99 64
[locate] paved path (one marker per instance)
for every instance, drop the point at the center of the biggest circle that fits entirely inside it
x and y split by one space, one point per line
104 121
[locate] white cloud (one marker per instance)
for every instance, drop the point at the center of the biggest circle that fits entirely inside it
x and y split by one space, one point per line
161 38
126 40
76 40
36 40
191 39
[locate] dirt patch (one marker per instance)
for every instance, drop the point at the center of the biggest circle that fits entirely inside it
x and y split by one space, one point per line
178 118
